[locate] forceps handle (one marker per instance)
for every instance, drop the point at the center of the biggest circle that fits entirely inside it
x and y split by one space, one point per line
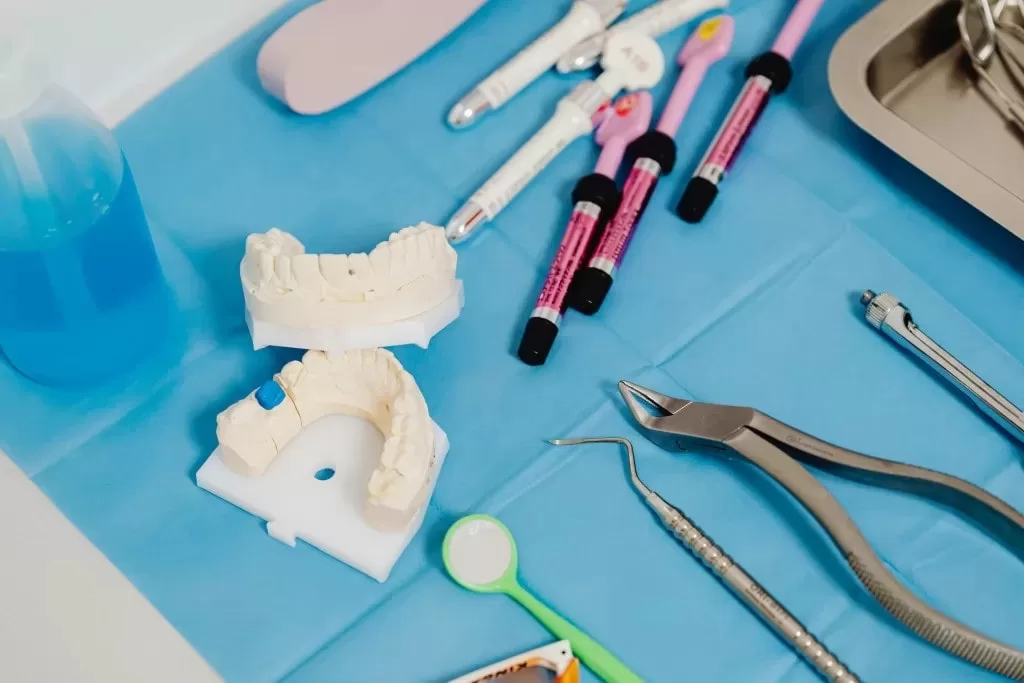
755 596
930 624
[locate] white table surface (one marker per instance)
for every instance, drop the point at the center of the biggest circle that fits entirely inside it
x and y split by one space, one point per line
117 54
66 614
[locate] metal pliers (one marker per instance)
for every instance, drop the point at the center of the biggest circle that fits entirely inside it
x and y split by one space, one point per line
782 451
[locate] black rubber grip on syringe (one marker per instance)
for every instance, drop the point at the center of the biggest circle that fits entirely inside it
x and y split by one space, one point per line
698 196
656 146
598 189
775 68
589 289
538 338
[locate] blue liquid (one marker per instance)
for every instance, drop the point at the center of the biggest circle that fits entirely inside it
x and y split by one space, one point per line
88 305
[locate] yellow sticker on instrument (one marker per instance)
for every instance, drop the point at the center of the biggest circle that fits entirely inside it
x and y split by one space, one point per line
707 28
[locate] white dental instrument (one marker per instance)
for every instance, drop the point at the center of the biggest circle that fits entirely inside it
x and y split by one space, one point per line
584 19
655 20
631 61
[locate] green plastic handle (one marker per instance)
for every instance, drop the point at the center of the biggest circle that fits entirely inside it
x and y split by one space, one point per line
603 663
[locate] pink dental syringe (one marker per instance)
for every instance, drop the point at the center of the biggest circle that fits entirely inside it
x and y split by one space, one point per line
655 153
769 73
595 199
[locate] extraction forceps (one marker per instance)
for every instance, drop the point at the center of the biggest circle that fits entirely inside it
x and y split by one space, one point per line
891 318
782 451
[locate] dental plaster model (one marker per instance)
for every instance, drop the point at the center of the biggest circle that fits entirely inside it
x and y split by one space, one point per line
370 384
280 461
403 292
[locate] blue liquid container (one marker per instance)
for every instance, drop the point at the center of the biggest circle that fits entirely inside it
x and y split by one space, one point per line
82 295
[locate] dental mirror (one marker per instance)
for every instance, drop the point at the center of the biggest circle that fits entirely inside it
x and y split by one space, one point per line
480 555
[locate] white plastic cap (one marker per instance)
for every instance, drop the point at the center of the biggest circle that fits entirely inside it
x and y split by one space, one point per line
635 58
23 77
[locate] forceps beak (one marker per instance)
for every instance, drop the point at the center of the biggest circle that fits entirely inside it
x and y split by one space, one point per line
664 405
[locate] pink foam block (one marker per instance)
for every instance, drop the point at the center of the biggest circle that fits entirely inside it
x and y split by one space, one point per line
335 50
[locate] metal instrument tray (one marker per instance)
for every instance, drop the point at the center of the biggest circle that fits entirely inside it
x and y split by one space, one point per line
901 75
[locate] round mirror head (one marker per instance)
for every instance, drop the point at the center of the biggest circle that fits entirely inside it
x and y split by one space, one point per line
479 554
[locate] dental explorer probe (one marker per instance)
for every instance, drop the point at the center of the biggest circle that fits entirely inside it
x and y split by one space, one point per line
632 61
887 315
584 19
749 591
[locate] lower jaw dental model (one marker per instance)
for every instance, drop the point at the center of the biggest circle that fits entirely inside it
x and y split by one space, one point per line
323 485
403 292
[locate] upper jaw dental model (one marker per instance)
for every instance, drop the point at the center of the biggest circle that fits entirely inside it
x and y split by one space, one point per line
364 518
403 292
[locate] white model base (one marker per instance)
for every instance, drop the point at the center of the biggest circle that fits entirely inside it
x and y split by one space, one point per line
418 330
326 511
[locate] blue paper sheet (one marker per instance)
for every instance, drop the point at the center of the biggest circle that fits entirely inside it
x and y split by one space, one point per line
754 306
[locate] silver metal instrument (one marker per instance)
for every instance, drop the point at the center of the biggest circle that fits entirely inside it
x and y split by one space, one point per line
782 452
891 318
759 600
982 30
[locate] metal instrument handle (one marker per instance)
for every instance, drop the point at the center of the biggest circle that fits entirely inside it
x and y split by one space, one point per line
930 624
754 595
986 511
997 406
885 313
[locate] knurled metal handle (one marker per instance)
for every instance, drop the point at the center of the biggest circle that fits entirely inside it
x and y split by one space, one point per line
758 599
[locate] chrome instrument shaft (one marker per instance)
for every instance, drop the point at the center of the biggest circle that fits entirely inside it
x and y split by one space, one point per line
889 316
749 591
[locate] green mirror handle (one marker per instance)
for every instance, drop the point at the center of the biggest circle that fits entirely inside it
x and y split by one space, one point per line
591 653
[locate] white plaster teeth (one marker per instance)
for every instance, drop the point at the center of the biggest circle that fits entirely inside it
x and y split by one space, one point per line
268 273
407 275
380 264
268 259
402 256
359 265
306 270
368 383
340 279
251 436
283 273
